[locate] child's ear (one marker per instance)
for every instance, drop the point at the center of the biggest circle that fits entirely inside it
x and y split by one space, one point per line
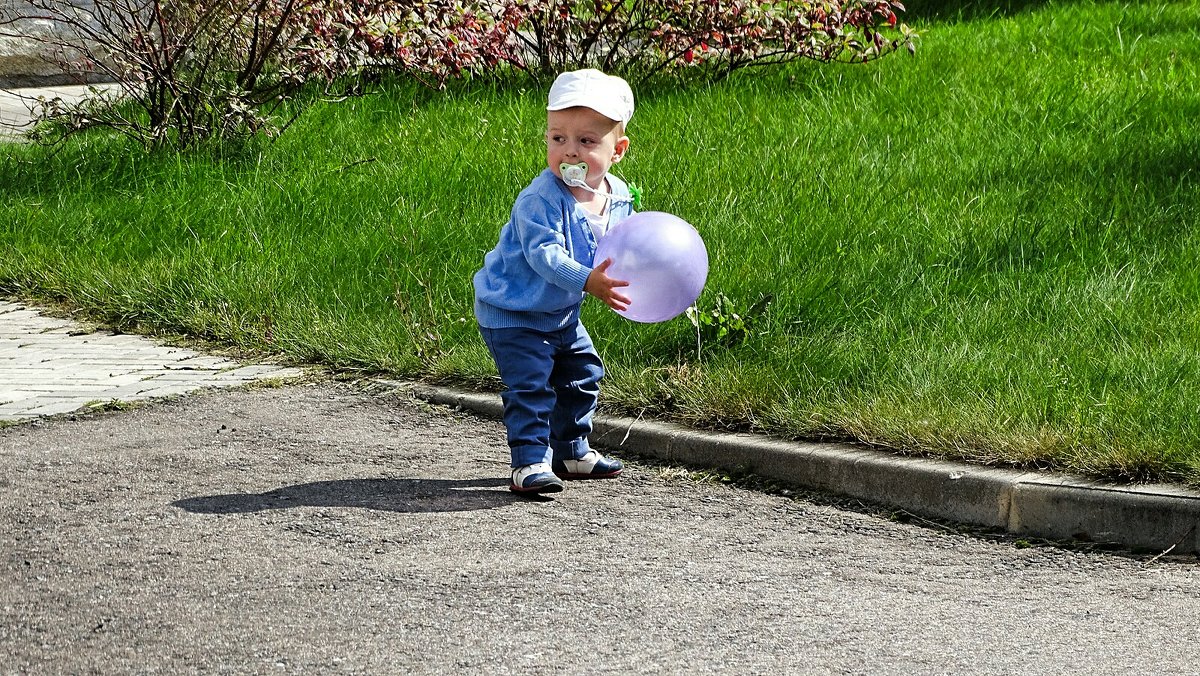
622 147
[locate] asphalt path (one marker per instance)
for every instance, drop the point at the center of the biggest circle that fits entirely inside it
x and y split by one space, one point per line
333 528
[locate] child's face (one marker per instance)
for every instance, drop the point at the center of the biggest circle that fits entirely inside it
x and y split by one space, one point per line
582 135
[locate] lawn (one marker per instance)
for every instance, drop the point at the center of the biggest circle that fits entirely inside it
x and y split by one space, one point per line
985 251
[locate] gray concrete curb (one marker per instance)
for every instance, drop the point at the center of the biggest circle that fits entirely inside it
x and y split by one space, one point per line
1052 506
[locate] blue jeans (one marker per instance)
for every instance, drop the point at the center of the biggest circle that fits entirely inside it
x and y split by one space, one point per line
553 382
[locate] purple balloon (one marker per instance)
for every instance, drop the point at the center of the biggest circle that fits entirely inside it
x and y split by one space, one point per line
663 259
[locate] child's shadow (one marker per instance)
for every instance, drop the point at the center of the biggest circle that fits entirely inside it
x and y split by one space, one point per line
389 495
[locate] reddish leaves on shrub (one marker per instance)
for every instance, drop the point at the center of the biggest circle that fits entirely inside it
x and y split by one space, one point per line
440 39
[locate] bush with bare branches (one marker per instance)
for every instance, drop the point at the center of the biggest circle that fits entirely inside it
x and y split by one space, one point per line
187 70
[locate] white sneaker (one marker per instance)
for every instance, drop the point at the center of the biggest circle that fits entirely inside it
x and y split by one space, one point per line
591 466
536 478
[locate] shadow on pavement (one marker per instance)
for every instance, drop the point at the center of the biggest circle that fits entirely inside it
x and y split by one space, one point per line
390 495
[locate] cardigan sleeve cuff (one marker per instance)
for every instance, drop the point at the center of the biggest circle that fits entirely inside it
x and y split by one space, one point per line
573 276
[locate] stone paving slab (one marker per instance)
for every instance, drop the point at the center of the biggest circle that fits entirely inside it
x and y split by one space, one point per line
50 366
31 44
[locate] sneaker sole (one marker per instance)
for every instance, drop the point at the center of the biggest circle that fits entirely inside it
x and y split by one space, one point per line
584 477
547 488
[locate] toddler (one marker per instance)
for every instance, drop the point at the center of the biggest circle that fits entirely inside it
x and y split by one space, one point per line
531 286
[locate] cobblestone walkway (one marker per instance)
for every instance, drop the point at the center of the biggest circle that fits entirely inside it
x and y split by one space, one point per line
50 366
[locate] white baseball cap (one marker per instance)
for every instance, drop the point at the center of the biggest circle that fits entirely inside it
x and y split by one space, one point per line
608 95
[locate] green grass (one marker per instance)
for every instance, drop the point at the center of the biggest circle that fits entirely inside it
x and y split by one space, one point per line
986 251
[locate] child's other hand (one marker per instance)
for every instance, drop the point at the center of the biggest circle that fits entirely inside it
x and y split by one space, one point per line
600 285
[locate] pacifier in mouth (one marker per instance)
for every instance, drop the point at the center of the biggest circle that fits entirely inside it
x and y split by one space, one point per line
574 174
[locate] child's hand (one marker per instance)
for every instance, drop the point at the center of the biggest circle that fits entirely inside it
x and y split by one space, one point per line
605 288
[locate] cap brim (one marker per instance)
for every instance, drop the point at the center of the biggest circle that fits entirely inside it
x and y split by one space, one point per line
578 102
